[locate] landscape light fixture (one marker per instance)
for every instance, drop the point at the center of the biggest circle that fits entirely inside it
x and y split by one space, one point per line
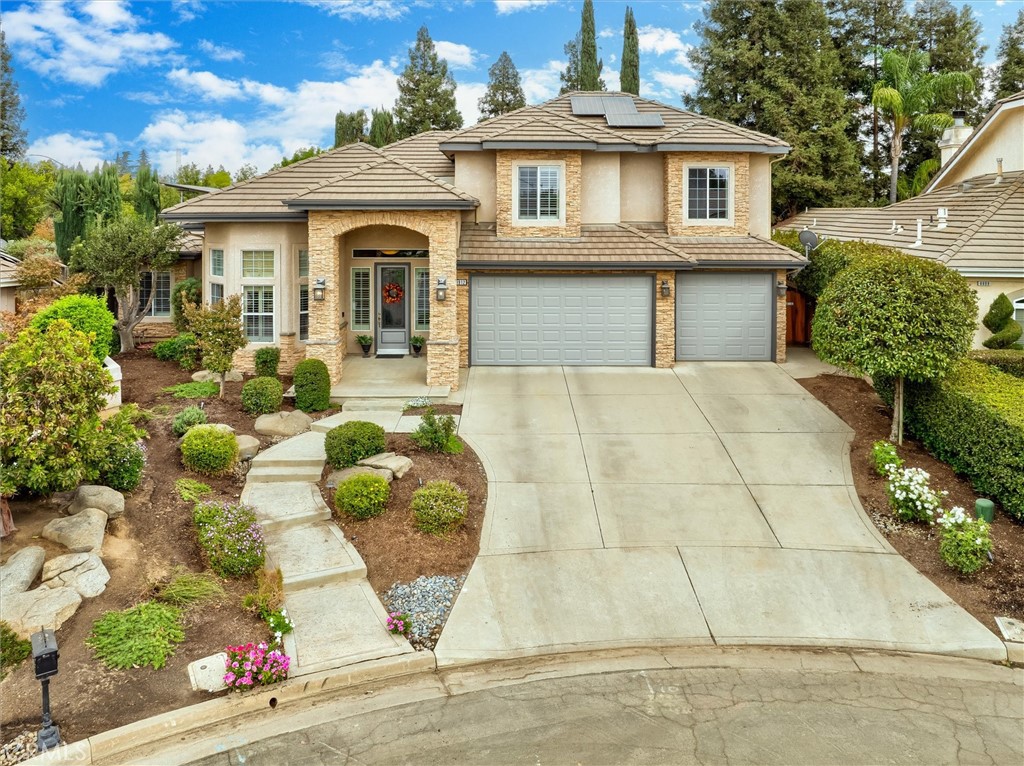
45 656
666 291
442 289
319 288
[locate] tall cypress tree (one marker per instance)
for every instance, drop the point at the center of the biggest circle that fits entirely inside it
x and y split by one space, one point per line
771 67
69 199
12 134
1008 77
146 200
504 89
426 92
630 75
382 128
590 67
349 127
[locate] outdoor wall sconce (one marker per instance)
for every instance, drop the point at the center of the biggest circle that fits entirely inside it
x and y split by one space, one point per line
666 291
442 289
780 289
319 288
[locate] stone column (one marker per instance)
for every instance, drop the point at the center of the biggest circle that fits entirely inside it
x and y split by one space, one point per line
324 334
665 321
780 318
462 311
443 347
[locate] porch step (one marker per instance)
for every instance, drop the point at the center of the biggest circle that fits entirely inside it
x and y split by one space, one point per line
284 504
276 474
312 555
396 404
305 451
386 419
345 392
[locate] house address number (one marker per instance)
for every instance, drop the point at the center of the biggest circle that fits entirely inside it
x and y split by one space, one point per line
461 282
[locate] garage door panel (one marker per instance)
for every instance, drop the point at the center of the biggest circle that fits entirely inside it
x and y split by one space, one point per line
724 316
572 320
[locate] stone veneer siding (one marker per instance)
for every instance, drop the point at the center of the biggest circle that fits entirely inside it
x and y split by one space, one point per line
665 321
573 190
780 319
293 351
441 227
675 181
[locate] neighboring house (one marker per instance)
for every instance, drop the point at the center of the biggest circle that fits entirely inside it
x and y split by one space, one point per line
594 229
9 284
970 217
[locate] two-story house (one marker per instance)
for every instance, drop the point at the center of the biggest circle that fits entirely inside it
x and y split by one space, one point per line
594 229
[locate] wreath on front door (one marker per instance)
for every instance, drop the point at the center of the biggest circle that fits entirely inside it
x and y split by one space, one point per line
393 292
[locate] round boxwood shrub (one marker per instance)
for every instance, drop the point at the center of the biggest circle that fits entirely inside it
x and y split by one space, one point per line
209 450
439 507
261 396
312 386
188 417
267 361
86 314
349 443
363 496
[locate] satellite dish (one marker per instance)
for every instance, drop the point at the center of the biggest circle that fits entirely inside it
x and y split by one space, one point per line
808 239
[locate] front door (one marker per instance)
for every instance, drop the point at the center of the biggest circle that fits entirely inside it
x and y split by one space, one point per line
393 309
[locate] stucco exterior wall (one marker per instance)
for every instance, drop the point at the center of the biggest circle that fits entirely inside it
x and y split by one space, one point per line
572 178
675 163
642 192
601 187
987 291
1004 137
475 174
760 195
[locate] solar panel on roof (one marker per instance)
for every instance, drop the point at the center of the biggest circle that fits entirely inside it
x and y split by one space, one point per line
587 106
635 121
618 105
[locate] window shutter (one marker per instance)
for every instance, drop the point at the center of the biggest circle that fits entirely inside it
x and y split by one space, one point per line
360 299
422 299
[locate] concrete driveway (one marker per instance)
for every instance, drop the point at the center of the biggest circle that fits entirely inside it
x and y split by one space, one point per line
711 503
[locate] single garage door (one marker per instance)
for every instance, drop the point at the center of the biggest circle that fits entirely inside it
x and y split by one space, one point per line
571 320
724 316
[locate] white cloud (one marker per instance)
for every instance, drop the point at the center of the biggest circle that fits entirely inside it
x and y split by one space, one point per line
220 52
512 6
205 140
611 78
366 9
659 40
88 149
1000 3
543 83
668 86
206 84
467 98
187 10
83 44
457 55
607 32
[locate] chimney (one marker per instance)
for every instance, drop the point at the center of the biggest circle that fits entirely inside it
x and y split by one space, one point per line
954 136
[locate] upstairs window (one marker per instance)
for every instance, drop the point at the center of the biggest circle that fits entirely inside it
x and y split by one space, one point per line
539 193
708 194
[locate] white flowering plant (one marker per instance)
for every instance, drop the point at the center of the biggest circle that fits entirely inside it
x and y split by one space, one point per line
966 545
910 496
886 459
279 623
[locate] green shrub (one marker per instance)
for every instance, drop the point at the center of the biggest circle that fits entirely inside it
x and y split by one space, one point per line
351 442
999 320
965 542
190 289
911 497
12 648
1009 360
827 260
972 420
86 314
209 450
188 588
267 361
120 454
362 496
192 491
261 396
182 349
188 417
231 538
140 636
437 434
884 455
194 390
439 507
312 386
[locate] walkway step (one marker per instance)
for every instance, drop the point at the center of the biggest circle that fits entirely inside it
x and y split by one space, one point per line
386 419
284 504
314 554
303 451
271 474
346 392
396 404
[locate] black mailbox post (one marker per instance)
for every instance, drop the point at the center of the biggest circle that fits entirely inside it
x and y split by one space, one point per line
45 656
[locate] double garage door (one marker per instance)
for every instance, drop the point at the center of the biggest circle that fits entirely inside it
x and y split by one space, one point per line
609 320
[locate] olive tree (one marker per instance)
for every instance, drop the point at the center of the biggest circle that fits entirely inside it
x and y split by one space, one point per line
218 331
895 316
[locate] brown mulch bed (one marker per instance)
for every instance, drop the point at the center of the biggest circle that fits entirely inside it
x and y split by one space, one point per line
996 590
394 550
439 409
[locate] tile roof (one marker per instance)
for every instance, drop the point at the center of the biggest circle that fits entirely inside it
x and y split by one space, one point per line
984 230
421 150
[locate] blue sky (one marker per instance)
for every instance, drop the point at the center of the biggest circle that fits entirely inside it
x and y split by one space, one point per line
245 82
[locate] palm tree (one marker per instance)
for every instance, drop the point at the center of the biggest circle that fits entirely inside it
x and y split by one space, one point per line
906 96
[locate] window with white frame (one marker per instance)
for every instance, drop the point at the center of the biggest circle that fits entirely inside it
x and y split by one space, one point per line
422 281
360 299
708 197
157 284
216 275
216 263
303 294
1018 310
216 293
539 193
258 313
257 264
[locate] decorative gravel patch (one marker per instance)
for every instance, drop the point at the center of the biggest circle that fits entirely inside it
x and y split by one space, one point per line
19 749
428 600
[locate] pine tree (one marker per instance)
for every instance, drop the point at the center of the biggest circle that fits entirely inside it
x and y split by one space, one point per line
590 66
123 163
12 134
504 89
951 38
629 75
382 128
143 159
349 127
1008 77
426 92
771 67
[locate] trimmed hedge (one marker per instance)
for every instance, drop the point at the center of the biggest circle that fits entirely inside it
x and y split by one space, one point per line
262 396
972 420
1008 360
312 386
827 260
181 348
86 314
209 450
351 442
267 361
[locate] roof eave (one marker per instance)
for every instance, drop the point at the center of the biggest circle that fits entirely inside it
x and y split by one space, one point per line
202 218
698 147
677 264
381 204
752 264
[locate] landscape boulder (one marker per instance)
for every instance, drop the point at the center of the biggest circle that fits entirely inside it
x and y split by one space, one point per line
283 423
42 607
81 533
21 570
337 477
205 376
248 446
108 500
82 572
399 465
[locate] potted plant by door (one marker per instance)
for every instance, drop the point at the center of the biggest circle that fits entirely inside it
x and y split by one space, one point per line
417 341
366 343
